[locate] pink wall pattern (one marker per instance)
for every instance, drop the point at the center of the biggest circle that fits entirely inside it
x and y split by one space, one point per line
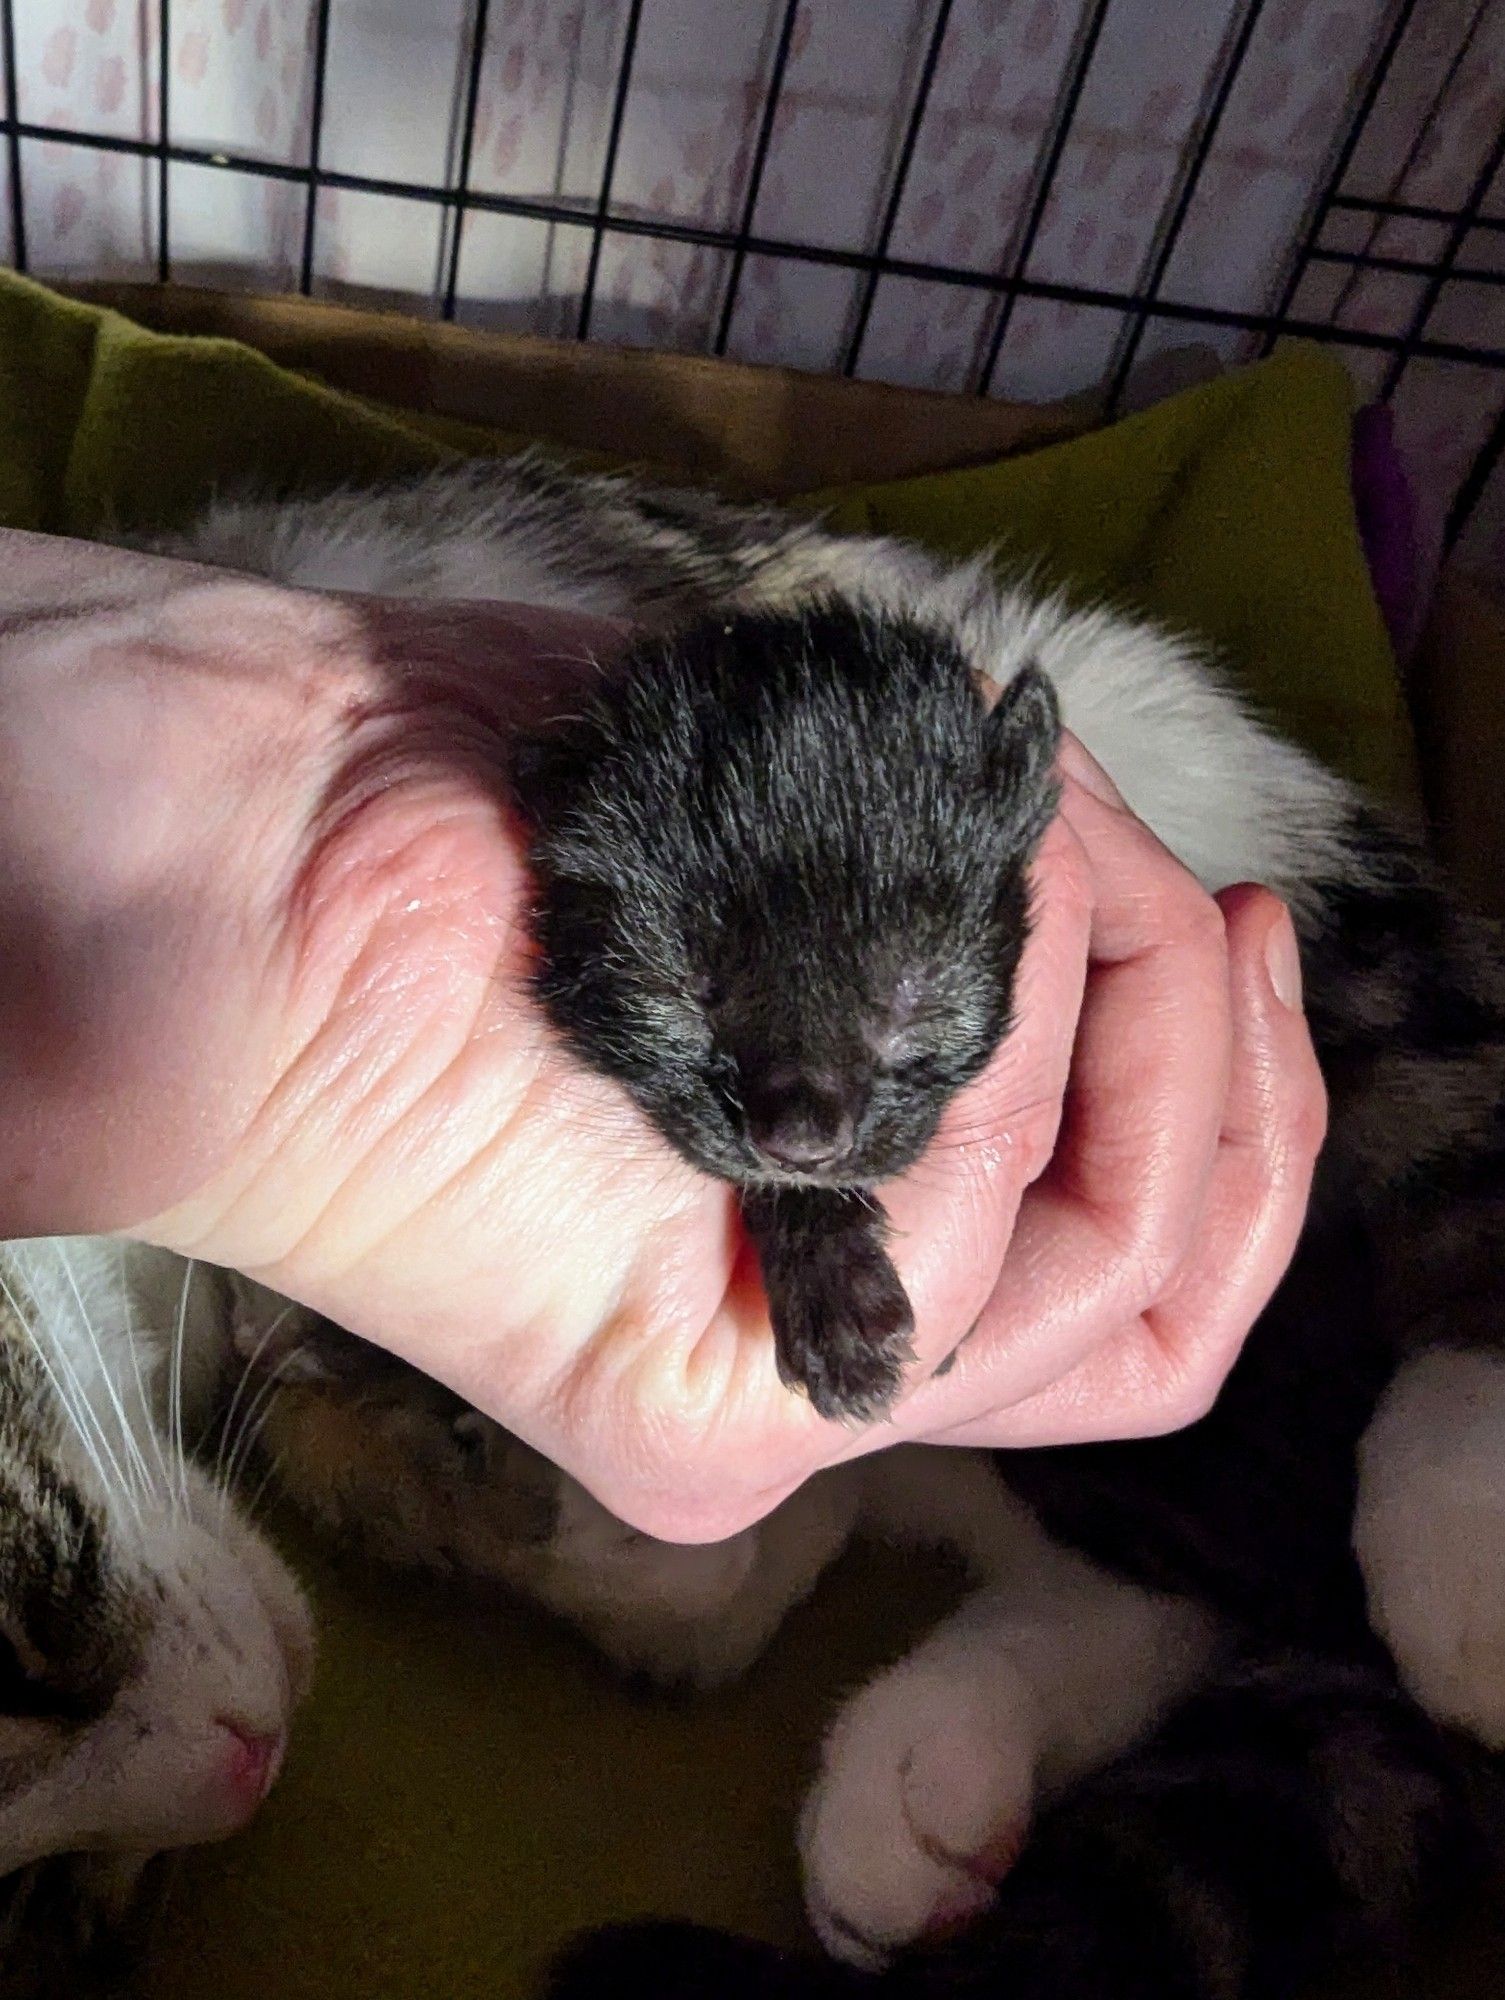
241 81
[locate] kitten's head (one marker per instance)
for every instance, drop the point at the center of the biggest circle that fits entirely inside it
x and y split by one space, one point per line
152 1647
782 884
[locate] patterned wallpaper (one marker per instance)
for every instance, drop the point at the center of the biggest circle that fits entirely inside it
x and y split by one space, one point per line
241 80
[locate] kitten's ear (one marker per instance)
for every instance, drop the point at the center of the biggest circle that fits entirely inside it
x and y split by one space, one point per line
1024 733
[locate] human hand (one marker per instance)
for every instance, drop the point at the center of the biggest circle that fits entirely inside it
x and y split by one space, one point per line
265 1002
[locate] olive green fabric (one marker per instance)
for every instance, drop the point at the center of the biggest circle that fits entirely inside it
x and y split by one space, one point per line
467 1786
1225 510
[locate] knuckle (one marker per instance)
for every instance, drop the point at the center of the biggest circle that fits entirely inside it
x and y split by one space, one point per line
1153 1244
1200 924
1032 1139
1187 1393
680 1508
1307 1118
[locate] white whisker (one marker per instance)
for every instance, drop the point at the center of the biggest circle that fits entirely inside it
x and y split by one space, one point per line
252 1507
73 1404
134 1344
130 1444
175 1389
227 1428
257 1413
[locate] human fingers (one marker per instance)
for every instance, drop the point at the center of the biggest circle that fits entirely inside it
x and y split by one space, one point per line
1109 1222
1164 1368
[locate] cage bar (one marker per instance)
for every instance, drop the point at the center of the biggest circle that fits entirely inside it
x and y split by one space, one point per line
13 135
1138 305
164 65
467 147
311 176
1191 175
609 168
1060 131
1407 267
1443 271
875 269
553 209
1478 476
1330 195
755 173
1414 150
1410 211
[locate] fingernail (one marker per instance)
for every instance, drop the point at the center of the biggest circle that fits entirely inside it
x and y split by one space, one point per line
1283 960
1083 768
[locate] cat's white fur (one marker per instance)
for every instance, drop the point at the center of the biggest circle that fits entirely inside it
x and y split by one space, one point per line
228 1644
1230 797
1430 1532
929 1774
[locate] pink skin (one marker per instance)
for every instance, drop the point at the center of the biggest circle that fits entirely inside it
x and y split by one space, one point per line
264 1003
252 1761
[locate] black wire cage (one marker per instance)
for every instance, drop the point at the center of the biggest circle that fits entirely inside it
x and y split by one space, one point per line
1440 263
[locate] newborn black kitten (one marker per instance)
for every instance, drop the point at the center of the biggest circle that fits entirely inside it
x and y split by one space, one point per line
781 872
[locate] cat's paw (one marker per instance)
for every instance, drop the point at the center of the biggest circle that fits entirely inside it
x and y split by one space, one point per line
842 1324
1430 1535
921 1807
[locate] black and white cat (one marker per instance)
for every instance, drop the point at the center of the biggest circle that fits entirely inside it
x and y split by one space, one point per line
153 1647
1167 1704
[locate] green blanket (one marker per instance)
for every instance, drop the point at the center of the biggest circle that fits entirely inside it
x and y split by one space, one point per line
467 1786
1225 511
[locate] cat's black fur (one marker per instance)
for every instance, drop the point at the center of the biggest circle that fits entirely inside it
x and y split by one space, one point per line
1304 1805
782 894
1297 1816
1301 1807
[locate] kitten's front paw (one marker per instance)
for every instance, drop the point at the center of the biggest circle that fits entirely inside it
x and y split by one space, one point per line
921 1808
842 1324
1430 1535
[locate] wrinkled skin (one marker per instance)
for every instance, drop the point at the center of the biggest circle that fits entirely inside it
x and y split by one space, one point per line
265 1000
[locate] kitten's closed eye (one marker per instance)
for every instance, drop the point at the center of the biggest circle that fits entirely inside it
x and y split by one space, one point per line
919 1072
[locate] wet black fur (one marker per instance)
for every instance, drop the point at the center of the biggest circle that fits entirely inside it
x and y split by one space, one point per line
781 869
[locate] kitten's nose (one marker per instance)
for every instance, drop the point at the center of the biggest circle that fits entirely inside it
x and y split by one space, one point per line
798 1121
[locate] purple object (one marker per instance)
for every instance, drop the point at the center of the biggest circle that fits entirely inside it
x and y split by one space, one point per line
1386 508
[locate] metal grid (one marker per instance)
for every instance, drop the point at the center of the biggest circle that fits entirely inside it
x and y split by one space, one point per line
1139 307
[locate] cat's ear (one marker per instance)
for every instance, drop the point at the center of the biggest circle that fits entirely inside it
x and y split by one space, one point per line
1023 734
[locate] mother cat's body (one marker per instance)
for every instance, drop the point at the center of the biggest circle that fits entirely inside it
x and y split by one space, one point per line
1173 1656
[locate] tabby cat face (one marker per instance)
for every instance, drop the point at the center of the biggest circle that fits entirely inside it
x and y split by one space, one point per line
152 1647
